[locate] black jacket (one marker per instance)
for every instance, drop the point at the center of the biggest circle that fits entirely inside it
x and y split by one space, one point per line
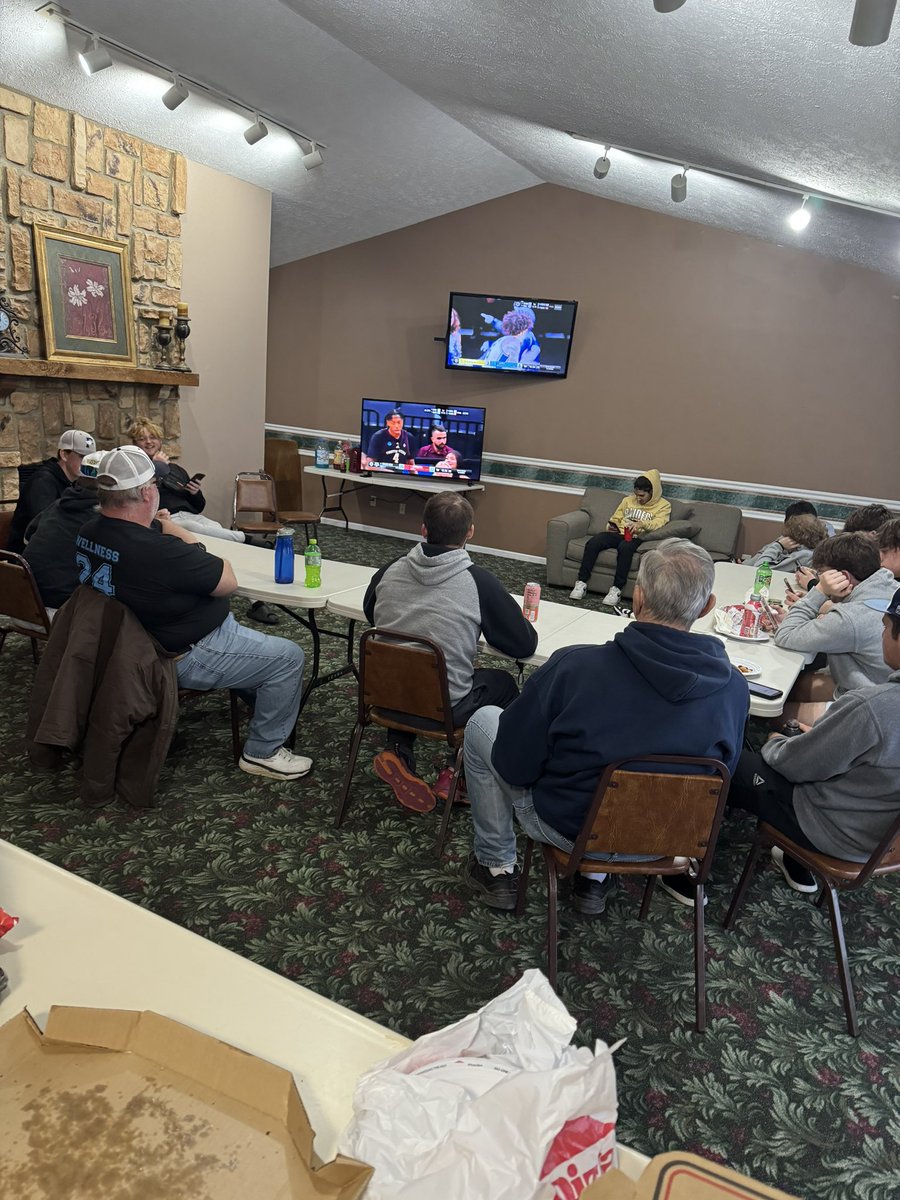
47 483
50 548
171 478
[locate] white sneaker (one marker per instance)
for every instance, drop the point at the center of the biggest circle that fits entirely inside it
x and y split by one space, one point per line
578 591
612 597
281 765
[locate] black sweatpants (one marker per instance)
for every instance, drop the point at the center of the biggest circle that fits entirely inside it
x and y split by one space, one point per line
759 789
609 541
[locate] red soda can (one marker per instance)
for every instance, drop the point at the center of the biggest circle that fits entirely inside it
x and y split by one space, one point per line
750 622
530 601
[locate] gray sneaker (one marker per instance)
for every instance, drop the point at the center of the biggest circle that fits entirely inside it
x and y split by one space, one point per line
280 765
612 597
578 591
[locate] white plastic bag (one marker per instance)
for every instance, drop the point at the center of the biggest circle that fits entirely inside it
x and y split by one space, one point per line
498 1106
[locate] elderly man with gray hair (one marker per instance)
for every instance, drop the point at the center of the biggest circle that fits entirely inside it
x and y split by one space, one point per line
656 688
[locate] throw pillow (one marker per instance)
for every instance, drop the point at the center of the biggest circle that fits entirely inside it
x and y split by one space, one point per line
679 529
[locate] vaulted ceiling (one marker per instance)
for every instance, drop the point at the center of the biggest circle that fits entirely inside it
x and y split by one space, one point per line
425 108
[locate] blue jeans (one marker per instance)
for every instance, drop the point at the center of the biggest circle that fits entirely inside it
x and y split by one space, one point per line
496 804
234 656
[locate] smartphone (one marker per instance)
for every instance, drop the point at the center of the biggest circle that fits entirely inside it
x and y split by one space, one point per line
198 477
764 692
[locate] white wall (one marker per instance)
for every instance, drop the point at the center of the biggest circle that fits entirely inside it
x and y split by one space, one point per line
225 237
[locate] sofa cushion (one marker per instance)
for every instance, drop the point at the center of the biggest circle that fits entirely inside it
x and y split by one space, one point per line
600 504
682 510
676 529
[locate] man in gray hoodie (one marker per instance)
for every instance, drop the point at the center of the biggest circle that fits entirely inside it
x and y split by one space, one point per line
437 592
835 788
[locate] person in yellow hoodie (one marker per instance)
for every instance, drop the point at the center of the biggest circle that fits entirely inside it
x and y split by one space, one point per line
644 510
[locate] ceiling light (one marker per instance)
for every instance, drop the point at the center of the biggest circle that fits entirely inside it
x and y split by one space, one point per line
313 158
800 217
666 6
256 132
177 94
601 166
871 23
679 186
94 57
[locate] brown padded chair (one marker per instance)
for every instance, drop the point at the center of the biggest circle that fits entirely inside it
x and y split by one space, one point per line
403 685
644 812
834 874
254 492
21 608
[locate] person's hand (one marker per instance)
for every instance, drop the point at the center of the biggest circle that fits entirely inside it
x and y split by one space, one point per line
791 598
773 736
163 514
788 543
804 728
612 527
160 456
834 584
804 575
192 487
826 608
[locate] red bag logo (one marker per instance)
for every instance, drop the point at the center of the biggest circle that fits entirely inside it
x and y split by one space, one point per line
580 1152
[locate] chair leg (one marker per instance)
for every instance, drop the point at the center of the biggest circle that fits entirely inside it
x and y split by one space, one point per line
552 921
235 725
448 805
648 896
523 878
843 964
743 884
820 899
34 651
700 960
351 765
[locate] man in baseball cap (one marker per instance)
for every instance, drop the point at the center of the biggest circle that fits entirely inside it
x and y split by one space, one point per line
50 537
179 592
48 482
835 789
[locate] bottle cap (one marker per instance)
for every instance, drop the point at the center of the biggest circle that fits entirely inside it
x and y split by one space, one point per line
285 531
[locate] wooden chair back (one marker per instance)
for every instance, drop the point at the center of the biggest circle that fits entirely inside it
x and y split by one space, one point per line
6 519
402 673
664 814
282 462
21 606
254 492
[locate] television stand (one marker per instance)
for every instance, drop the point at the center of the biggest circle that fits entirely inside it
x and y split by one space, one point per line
351 483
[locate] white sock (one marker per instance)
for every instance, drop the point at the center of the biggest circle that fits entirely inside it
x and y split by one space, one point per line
495 871
598 878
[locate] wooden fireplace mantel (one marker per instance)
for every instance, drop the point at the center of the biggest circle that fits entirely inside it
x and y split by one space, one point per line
95 372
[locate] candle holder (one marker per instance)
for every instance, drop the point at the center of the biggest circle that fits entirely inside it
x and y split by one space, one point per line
182 333
162 333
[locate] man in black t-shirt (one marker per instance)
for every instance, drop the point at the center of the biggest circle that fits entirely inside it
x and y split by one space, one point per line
391 444
180 593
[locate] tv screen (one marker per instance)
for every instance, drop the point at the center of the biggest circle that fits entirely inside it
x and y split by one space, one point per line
429 441
510 333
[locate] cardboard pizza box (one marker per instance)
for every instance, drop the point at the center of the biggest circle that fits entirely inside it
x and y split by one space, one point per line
679 1176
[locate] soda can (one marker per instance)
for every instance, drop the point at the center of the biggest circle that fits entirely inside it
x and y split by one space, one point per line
750 622
530 601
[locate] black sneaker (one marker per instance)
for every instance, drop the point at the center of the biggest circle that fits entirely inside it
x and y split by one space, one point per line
589 896
795 874
682 888
497 891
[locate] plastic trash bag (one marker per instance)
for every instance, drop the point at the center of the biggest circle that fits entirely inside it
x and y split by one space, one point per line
497 1106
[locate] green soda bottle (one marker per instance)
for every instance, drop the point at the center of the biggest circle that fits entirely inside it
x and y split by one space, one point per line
763 579
313 558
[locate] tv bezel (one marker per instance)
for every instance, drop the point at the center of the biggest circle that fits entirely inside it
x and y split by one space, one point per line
506 374
415 476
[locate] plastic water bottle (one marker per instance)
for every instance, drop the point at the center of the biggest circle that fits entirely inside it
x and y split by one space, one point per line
763 579
321 454
284 555
313 557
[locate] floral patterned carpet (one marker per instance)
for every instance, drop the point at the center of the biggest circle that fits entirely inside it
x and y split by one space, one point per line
368 917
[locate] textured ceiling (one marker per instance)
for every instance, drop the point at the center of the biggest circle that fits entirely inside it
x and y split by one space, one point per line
429 107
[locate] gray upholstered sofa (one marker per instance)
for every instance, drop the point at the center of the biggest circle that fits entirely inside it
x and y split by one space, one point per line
713 526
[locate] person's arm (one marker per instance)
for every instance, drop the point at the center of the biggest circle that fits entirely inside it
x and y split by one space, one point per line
369 598
42 491
617 519
660 517
838 740
194 497
173 530
522 746
228 583
800 630
502 622
772 553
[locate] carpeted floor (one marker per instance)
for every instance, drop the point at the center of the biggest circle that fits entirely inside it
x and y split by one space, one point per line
368 917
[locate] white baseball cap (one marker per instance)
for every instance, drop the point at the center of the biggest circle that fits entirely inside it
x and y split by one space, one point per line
77 440
90 464
127 467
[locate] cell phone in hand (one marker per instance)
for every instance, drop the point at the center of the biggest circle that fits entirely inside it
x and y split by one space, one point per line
763 691
196 478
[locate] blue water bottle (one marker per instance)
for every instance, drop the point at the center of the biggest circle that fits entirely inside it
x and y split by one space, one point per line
284 555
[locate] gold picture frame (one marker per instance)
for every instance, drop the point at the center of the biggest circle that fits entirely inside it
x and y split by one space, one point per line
85 290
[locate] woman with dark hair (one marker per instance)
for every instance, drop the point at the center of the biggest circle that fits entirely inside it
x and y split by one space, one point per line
454 339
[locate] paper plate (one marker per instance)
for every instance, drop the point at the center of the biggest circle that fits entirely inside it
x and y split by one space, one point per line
739 637
748 668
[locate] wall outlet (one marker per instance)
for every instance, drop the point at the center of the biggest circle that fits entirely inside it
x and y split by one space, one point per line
373 500
402 507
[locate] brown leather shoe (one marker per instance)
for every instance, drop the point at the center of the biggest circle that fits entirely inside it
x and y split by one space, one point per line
411 791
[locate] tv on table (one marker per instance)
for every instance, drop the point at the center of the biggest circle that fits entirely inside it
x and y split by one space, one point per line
509 333
428 441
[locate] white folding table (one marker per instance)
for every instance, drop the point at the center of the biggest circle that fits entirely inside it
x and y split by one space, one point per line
351 483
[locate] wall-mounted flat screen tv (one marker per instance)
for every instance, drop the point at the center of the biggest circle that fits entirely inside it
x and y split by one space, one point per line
429 441
510 333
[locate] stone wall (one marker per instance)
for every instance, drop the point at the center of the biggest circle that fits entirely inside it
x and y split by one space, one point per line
59 168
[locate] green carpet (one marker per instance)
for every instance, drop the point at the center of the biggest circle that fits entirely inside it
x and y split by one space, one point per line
368 917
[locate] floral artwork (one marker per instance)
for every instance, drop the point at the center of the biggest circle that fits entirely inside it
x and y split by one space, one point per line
87 306
88 299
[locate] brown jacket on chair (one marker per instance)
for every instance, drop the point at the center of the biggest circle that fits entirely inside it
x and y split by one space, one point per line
105 690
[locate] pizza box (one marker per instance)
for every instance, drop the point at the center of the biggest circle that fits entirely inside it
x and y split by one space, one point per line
680 1176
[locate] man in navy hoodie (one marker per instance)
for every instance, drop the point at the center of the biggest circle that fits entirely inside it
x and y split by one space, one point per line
655 688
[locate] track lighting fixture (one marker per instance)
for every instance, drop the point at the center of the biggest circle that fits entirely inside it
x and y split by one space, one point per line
177 94
256 132
601 166
800 217
667 6
313 158
871 23
94 57
679 186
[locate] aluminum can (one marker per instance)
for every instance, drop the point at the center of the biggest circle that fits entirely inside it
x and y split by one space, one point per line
750 621
531 601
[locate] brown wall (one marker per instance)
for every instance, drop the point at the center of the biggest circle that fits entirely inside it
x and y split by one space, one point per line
702 352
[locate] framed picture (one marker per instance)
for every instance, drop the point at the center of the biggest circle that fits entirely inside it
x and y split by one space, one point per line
86 304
